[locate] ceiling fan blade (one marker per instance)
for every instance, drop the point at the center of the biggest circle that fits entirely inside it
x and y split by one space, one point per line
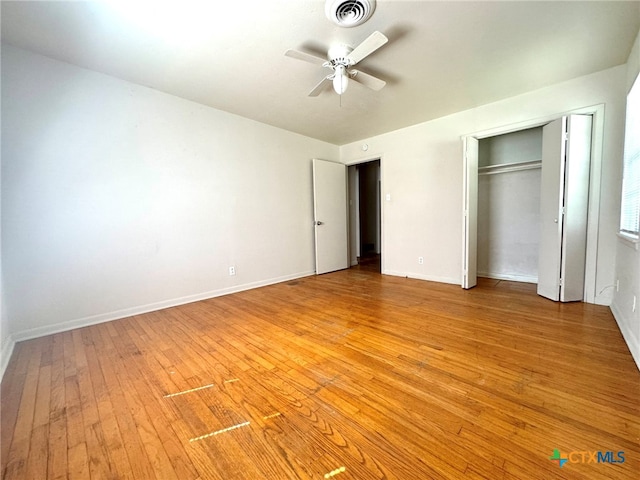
367 80
320 86
366 48
306 57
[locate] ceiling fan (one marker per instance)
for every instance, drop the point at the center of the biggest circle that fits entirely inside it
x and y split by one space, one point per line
340 59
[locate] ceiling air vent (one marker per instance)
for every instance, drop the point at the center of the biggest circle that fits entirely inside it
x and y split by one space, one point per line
349 13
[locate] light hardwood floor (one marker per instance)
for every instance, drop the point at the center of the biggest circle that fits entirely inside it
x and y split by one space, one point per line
350 375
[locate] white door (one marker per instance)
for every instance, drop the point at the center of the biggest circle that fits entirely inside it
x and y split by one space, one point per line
566 154
576 208
551 203
330 213
470 247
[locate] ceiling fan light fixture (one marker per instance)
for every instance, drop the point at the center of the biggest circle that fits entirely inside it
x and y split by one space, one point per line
349 13
340 60
340 80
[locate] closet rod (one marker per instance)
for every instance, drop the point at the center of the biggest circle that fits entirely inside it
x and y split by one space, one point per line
509 167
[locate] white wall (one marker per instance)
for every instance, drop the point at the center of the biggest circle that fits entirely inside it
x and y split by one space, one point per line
628 256
509 207
118 199
519 146
422 171
509 225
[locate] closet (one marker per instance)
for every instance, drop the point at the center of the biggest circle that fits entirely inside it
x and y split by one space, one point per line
509 172
526 207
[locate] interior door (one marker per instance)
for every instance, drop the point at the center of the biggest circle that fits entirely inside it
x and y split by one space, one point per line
470 247
330 214
576 208
566 154
551 203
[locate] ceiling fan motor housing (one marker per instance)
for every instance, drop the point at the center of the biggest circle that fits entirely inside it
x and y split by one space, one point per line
349 13
338 54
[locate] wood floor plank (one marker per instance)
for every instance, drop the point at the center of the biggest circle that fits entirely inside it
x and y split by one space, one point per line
57 453
78 468
39 446
346 375
17 460
138 462
10 399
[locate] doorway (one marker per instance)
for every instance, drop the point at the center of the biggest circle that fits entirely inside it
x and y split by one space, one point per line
365 222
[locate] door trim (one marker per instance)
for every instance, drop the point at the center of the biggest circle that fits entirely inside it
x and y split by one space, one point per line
593 219
470 215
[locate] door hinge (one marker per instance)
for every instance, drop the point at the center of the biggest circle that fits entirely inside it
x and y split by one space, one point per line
561 282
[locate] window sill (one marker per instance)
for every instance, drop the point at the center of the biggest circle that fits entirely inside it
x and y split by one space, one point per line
629 240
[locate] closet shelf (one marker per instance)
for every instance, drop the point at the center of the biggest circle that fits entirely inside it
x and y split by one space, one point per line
509 167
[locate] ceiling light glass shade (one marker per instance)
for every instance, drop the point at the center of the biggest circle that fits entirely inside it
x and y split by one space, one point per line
340 80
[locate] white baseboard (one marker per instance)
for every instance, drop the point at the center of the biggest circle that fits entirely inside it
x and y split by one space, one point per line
5 354
509 277
128 312
418 276
632 342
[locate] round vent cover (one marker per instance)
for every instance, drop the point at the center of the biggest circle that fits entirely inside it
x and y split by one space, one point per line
349 13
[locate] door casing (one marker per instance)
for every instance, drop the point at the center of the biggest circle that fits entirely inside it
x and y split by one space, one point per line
597 112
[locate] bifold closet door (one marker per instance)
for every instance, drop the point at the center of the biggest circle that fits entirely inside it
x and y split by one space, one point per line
566 154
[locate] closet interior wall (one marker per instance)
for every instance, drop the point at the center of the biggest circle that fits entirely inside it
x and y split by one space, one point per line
509 173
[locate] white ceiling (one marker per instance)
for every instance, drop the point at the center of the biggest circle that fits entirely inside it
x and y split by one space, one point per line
442 57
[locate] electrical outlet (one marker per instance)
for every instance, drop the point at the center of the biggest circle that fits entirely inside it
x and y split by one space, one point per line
618 285
421 260
232 270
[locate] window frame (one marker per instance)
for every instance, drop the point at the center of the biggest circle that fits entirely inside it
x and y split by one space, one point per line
629 227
